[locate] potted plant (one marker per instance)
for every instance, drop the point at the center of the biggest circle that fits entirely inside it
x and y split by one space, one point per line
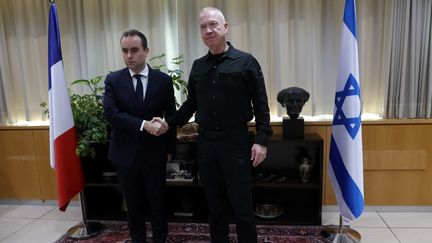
176 73
87 110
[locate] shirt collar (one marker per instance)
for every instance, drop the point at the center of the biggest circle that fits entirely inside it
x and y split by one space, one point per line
229 53
144 72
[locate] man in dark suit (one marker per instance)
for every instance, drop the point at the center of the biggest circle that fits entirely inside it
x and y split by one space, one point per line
133 96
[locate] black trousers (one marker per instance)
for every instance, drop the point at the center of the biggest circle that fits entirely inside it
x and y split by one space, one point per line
144 188
225 173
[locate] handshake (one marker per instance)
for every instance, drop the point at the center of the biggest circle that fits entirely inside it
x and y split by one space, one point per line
156 126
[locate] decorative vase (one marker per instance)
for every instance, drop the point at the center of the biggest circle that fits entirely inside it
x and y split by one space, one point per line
305 169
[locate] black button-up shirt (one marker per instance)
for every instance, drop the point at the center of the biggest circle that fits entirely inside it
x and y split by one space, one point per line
226 91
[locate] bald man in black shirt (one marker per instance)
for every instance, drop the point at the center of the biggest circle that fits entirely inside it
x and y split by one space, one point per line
226 90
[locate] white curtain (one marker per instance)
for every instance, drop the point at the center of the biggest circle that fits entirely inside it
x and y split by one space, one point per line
297 44
410 89
23 59
295 41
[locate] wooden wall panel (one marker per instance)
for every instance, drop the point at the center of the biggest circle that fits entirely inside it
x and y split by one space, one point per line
394 159
47 175
405 177
397 164
397 188
19 177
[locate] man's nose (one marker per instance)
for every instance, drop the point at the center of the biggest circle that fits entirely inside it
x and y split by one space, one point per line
129 54
208 29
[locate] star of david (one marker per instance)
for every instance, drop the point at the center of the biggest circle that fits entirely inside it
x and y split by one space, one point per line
352 124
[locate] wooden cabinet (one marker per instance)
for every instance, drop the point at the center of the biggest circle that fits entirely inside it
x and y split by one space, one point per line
103 198
276 182
186 202
104 201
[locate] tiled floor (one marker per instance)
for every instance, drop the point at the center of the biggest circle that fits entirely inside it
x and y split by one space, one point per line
34 222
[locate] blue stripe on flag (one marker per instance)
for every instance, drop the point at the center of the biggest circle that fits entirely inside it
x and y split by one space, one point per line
350 17
351 194
54 47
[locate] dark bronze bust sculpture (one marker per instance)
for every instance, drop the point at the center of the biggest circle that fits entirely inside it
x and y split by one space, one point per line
293 98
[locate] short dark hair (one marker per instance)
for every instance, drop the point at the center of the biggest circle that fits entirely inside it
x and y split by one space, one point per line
133 32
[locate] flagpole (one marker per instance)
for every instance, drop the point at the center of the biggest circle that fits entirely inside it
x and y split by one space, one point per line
341 233
63 159
345 165
87 229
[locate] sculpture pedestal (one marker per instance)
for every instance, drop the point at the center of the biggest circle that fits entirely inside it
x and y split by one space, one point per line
293 128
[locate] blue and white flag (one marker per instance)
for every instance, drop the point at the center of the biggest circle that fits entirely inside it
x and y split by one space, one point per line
346 152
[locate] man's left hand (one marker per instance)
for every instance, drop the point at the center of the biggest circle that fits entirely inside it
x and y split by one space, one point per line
258 154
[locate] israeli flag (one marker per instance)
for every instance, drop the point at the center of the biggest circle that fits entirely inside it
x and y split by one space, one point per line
346 152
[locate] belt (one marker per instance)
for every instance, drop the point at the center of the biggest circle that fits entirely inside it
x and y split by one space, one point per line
223 133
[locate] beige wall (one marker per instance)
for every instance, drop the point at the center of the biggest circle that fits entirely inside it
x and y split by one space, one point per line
397 162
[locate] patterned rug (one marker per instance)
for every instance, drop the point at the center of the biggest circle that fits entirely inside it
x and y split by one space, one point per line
117 232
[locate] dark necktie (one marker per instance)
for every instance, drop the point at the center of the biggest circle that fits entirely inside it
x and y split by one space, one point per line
139 90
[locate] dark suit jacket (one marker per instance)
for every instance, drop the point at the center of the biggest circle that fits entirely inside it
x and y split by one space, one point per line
122 111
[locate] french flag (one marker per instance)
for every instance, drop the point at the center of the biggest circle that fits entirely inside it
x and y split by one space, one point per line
346 152
63 140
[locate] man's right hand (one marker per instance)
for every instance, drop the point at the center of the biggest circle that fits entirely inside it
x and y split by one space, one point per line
157 126
152 127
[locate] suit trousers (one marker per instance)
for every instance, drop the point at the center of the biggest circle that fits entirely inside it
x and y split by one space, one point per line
144 188
225 173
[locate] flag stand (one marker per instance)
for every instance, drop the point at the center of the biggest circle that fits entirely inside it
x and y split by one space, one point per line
86 229
341 234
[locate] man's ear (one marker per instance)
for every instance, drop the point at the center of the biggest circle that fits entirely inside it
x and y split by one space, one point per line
305 96
285 100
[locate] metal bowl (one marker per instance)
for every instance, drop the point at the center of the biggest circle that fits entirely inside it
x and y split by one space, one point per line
268 211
